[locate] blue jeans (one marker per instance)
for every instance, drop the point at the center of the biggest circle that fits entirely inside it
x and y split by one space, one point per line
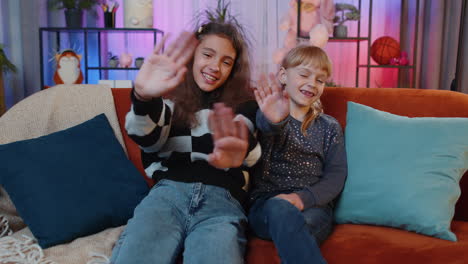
296 235
203 221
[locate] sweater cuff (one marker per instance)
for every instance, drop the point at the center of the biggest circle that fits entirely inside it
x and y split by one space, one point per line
276 127
307 198
145 107
281 123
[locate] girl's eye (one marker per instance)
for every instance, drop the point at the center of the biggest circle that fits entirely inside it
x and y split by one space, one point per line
227 63
303 75
320 81
206 55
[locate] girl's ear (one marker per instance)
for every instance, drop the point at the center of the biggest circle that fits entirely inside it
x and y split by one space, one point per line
282 76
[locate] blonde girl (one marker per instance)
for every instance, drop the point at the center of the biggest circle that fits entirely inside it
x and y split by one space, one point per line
303 165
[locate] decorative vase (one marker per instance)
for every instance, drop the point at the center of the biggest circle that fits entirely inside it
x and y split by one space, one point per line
74 18
340 31
138 13
113 62
139 61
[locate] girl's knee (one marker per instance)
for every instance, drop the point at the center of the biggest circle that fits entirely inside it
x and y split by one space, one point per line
280 208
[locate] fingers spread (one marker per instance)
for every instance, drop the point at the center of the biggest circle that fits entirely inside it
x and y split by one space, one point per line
152 59
265 85
214 125
225 117
173 45
262 94
179 45
243 131
258 98
274 83
160 45
185 53
231 145
177 78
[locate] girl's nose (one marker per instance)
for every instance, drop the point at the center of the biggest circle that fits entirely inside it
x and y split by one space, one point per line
214 66
311 83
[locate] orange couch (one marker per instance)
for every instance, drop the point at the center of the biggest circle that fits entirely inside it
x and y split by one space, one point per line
361 243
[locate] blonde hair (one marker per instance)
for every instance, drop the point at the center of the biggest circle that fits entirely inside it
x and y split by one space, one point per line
308 55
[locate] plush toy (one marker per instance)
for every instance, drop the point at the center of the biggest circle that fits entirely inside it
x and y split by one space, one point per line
125 60
68 68
402 60
316 23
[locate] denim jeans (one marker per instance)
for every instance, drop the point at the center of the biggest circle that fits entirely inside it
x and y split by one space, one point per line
203 221
296 235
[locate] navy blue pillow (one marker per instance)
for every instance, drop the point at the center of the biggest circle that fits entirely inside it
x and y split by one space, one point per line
71 183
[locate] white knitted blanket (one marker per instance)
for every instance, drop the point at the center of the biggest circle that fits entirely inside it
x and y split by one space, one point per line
42 113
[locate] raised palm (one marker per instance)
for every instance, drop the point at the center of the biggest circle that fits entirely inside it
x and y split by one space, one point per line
271 99
162 71
230 138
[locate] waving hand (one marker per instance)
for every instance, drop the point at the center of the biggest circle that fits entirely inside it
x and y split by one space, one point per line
163 71
273 102
230 138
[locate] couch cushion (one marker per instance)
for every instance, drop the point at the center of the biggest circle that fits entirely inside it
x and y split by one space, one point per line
261 251
364 244
71 183
403 172
407 102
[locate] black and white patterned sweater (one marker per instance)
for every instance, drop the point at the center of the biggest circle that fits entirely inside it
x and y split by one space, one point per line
181 154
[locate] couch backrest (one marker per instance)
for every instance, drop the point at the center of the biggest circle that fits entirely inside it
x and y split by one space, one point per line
122 106
407 102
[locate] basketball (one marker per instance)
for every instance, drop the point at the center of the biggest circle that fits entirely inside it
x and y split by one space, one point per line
385 48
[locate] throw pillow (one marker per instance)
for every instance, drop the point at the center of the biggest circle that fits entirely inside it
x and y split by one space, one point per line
71 183
403 172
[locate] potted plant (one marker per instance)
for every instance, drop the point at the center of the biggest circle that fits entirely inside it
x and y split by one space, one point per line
348 12
5 67
73 10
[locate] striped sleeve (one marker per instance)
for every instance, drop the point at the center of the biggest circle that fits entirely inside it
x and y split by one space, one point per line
148 123
246 112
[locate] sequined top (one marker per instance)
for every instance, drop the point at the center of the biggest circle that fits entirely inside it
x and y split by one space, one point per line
312 165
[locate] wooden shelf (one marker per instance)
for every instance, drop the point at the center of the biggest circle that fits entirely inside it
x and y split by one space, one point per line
113 68
387 66
348 39
91 41
363 40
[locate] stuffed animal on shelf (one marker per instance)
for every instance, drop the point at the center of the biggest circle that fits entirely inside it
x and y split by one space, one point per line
68 69
316 23
402 60
125 60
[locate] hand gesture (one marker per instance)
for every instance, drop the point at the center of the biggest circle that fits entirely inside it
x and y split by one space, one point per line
230 138
273 102
292 198
163 71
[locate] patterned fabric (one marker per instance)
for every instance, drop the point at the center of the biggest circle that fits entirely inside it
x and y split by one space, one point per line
181 154
312 165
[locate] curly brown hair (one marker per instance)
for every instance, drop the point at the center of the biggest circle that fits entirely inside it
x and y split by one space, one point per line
188 98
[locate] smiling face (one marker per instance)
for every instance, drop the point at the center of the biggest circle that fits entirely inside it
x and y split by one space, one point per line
213 62
304 84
